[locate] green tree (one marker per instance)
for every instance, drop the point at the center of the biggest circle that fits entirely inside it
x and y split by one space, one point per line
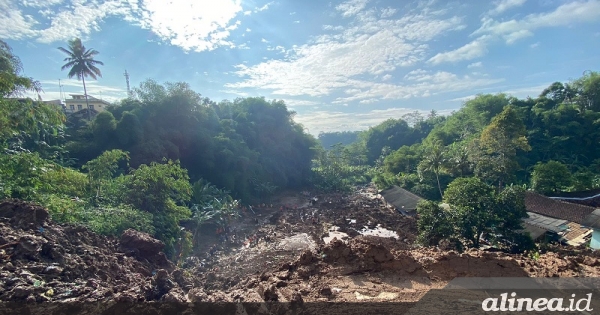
103 168
474 204
81 64
162 190
434 159
480 212
103 128
500 141
550 177
435 223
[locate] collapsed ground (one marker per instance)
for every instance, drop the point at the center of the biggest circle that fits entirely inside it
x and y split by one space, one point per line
290 249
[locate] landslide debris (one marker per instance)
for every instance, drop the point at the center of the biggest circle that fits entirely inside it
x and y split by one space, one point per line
42 261
290 258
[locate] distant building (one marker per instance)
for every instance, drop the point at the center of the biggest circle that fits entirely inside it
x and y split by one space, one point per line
561 219
402 200
77 103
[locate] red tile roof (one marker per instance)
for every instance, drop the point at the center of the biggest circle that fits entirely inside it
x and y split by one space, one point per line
555 208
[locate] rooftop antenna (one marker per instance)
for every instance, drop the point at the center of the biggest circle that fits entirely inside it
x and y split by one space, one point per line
127 80
61 91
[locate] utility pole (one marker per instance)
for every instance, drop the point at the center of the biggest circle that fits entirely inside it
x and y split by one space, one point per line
127 80
60 89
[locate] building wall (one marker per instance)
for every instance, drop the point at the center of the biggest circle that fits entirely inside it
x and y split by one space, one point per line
75 105
595 242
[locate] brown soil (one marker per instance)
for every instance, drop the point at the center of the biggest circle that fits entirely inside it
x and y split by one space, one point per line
42 261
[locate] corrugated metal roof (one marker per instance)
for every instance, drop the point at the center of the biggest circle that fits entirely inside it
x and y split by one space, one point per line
592 220
404 201
547 223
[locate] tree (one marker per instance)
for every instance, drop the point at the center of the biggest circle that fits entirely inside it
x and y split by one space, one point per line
11 81
81 64
433 160
500 141
435 223
478 211
550 177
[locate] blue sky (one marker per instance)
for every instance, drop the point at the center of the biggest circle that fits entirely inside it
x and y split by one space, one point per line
341 65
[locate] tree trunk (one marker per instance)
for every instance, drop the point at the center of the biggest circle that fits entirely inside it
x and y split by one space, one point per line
437 177
86 99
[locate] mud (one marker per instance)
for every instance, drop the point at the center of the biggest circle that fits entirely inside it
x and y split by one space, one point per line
282 251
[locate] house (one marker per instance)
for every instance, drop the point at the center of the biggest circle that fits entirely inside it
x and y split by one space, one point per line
77 102
589 198
402 200
593 221
561 219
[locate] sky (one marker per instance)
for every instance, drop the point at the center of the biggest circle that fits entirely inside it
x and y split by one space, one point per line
340 65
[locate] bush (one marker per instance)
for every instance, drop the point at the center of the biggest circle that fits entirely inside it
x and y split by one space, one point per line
115 220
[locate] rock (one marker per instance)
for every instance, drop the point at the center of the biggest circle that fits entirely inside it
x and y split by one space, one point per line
142 243
196 295
326 291
53 270
296 299
175 296
306 258
22 214
270 294
21 292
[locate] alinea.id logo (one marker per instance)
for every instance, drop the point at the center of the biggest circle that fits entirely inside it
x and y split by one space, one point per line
515 304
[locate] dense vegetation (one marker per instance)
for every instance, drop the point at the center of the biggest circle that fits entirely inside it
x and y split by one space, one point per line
167 156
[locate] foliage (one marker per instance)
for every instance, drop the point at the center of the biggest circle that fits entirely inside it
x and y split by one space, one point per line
162 190
434 224
103 168
115 220
332 172
550 177
476 211
11 81
329 139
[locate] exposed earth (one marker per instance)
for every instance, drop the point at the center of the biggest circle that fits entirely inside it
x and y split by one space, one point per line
338 248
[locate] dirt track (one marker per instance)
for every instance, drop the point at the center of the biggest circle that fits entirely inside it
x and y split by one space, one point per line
41 261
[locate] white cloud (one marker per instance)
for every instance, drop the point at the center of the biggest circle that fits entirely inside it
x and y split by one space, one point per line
515 36
189 24
387 12
264 7
386 77
504 5
566 14
478 64
535 45
264 40
330 121
13 23
420 83
351 7
472 50
72 86
349 58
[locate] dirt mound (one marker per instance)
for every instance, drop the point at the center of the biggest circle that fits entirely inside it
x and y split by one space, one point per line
42 261
278 254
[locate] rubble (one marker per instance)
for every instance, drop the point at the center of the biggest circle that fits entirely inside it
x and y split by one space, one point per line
283 258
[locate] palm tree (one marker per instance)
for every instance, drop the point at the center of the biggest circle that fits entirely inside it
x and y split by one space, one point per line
81 64
434 160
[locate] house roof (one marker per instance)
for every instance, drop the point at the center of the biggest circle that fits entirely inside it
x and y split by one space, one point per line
546 223
405 201
576 234
592 220
534 231
557 209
